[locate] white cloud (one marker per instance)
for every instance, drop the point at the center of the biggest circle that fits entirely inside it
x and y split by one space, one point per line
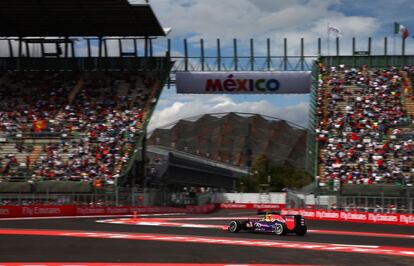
261 19
211 19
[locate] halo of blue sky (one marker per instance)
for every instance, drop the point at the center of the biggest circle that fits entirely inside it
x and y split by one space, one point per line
274 19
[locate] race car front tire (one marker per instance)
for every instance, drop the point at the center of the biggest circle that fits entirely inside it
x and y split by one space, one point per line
234 227
279 229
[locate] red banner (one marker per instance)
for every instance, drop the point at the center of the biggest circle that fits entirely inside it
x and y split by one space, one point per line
73 210
342 216
360 217
255 206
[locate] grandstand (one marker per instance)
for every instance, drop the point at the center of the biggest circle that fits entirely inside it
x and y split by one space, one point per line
76 124
70 128
364 135
365 129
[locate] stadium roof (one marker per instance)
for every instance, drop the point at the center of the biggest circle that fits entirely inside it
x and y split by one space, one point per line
236 138
219 115
22 18
165 151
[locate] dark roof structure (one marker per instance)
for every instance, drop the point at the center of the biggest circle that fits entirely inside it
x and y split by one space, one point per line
165 151
22 18
236 139
173 167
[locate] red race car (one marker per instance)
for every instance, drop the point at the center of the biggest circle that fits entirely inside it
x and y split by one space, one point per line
271 223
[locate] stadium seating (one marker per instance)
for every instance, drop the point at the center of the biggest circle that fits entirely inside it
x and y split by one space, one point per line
365 127
66 126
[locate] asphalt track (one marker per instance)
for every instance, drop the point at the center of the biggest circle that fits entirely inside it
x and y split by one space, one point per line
76 240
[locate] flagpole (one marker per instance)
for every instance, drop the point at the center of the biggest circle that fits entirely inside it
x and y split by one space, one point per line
403 46
328 42
402 62
394 49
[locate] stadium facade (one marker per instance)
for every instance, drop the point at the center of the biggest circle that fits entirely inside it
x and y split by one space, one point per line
236 138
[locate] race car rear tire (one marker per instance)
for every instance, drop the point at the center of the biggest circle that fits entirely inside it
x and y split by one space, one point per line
234 227
279 229
301 230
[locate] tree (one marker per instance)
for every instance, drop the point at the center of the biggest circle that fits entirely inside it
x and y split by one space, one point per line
276 177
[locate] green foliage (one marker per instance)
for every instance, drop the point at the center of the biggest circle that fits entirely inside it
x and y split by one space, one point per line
265 176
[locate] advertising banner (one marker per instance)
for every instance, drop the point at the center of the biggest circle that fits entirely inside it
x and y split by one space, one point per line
361 217
252 206
73 210
274 82
340 216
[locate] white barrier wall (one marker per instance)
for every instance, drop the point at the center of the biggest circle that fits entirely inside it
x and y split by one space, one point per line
273 197
310 199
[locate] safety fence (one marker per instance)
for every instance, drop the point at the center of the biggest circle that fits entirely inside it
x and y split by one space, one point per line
86 64
251 206
74 210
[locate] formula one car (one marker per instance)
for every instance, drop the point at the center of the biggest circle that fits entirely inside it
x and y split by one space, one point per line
271 223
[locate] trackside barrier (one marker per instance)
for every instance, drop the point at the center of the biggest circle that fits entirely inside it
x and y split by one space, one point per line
251 206
340 216
359 217
73 210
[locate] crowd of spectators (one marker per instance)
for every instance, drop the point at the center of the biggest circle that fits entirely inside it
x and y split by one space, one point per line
364 133
28 100
89 124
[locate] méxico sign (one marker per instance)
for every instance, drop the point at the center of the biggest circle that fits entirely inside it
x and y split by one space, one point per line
275 82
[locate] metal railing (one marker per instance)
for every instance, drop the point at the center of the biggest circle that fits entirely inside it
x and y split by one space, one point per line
379 204
312 148
85 64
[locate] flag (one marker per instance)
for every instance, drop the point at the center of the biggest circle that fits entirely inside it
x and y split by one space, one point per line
401 29
38 125
334 30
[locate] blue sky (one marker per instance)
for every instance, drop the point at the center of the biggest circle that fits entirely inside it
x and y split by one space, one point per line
274 19
261 19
